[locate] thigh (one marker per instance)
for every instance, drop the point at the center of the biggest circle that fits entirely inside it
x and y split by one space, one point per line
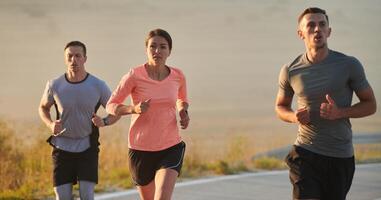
64 164
87 167
142 166
147 191
165 180
306 173
340 175
64 192
86 190
173 158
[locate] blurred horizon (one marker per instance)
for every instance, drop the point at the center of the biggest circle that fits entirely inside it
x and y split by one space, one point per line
230 51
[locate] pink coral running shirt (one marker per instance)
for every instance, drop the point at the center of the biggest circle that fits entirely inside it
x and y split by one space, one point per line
156 129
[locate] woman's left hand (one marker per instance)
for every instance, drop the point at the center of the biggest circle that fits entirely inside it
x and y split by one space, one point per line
184 118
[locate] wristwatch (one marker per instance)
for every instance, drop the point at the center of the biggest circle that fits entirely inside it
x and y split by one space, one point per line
105 121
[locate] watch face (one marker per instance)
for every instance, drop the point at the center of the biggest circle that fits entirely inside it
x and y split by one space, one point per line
105 121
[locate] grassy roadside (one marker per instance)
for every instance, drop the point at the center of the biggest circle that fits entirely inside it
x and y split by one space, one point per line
368 153
25 160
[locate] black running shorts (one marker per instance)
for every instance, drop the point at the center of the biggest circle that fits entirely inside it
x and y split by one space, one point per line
71 167
144 164
315 176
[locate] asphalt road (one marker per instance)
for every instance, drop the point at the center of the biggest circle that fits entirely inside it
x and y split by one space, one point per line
260 186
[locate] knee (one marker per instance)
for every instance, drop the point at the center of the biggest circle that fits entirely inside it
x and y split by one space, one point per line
86 190
64 196
163 194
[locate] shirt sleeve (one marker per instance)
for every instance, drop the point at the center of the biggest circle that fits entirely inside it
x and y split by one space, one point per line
357 78
182 95
123 90
47 96
284 82
105 94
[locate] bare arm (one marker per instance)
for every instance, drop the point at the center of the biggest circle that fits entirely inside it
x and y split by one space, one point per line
125 110
141 107
283 108
367 106
107 121
183 113
182 106
112 119
285 112
44 112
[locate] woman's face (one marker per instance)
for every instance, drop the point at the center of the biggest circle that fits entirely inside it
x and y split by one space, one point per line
157 50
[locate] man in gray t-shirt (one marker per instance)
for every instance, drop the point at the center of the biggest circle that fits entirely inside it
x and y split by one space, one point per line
76 96
322 159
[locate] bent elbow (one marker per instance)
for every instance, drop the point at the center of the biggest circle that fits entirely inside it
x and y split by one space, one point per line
374 108
277 112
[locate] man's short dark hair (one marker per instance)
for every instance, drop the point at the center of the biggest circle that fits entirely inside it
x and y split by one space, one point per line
312 10
78 44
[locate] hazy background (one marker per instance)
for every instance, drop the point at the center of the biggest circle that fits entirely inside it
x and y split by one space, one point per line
230 51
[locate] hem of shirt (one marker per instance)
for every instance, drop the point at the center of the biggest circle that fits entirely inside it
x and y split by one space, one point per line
317 151
158 148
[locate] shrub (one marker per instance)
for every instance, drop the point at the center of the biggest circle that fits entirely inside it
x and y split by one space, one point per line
269 163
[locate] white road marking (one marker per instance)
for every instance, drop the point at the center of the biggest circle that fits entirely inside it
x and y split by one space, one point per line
194 182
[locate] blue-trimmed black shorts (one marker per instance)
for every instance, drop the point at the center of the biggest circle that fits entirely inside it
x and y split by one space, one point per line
144 164
315 176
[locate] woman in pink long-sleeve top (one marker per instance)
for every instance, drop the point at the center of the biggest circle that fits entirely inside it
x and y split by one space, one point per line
156 150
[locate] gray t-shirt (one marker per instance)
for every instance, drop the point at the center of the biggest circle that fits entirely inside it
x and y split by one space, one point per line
76 102
338 75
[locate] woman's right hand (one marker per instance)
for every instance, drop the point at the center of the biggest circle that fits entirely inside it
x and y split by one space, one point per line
184 118
142 107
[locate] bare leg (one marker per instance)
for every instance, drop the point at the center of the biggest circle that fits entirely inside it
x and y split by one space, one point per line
147 192
165 180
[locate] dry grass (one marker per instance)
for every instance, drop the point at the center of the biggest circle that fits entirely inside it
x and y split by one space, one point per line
26 166
113 164
25 169
269 163
368 153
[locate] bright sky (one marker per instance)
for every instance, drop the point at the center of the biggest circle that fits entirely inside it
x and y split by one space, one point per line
230 51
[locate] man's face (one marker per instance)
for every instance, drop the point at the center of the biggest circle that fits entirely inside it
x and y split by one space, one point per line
314 30
75 58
